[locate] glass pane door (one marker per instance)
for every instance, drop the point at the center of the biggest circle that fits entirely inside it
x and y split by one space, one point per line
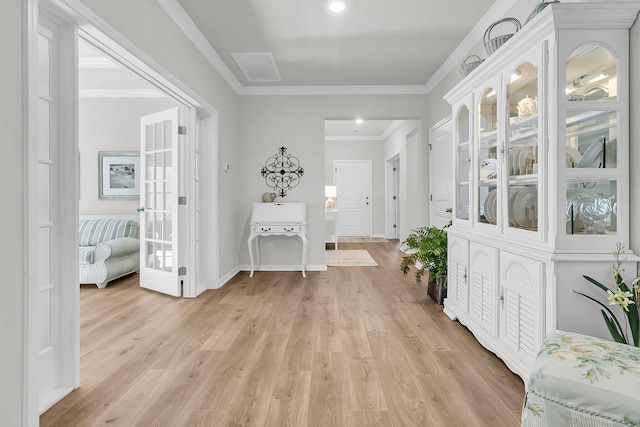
522 147
463 164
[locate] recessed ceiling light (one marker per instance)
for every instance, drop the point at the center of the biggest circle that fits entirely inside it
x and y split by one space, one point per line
337 6
359 121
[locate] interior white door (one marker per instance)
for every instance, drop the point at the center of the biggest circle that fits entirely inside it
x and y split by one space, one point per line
159 197
353 182
440 185
53 360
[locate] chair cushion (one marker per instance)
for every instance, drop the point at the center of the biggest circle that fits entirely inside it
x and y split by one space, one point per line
582 380
86 254
96 230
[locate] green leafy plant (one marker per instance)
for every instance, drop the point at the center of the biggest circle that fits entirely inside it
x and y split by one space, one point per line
621 294
427 251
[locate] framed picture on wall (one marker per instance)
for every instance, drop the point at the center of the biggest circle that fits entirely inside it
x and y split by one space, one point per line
118 175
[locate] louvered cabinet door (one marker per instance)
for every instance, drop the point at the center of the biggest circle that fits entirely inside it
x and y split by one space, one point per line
483 262
457 287
521 305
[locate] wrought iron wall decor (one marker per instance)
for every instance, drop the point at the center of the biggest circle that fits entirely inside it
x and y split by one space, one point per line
282 172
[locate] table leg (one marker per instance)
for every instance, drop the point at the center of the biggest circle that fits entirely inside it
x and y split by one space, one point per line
304 253
250 245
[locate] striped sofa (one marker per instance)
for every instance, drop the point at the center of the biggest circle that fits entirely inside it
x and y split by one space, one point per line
109 248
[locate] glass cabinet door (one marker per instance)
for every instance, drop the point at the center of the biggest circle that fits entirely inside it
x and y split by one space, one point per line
522 147
487 159
591 154
463 163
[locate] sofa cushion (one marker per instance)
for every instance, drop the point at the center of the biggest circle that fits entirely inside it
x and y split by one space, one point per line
96 230
86 254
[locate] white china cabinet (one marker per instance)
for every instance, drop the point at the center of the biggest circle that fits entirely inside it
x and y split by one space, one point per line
541 148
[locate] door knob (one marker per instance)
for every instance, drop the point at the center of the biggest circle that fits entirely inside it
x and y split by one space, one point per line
448 210
140 209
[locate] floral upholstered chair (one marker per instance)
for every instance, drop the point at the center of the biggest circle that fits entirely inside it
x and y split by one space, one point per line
578 380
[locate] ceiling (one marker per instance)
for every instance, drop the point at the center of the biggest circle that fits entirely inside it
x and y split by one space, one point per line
373 42
375 46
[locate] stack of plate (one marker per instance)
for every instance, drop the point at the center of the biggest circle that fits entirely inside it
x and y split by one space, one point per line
490 206
521 160
525 208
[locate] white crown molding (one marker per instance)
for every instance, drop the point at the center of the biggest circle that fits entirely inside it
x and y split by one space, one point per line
335 90
186 24
393 126
96 63
119 93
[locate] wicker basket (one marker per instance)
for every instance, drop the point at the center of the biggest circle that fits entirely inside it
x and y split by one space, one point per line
539 7
493 44
468 66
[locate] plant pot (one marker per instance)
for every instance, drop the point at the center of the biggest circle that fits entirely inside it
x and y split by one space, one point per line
437 290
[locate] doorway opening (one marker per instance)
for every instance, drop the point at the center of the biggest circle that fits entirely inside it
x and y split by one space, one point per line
386 144
55 181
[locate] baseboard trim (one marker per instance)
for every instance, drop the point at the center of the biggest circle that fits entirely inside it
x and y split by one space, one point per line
312 267
224 279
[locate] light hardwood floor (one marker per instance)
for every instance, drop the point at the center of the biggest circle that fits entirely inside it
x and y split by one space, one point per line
352 346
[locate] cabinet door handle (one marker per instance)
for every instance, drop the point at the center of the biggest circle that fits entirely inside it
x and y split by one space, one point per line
501 297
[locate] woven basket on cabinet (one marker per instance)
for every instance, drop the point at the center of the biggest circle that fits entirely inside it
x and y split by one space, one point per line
493 44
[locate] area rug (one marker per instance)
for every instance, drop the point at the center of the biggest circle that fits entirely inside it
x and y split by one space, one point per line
362 240
349 258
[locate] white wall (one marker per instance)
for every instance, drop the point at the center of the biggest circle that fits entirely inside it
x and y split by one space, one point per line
12 191
407 141
361 150
297 122
109 124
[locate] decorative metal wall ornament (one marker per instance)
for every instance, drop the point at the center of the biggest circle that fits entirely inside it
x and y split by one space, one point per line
282 172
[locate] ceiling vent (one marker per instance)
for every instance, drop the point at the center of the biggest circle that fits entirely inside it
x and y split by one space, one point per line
258 66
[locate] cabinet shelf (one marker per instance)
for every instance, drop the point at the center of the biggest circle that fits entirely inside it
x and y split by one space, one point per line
523 179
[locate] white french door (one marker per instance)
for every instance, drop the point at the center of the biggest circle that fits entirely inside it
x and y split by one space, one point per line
159 199
53 359
353 185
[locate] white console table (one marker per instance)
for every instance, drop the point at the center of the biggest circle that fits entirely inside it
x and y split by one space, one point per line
332 216
277 219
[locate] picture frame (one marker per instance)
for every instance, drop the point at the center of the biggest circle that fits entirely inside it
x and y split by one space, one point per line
118 175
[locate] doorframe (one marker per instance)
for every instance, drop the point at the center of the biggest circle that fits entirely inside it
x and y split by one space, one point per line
82 20
390 183
335 172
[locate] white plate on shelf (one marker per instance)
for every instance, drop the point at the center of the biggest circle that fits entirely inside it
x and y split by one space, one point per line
573 157
490 206
526 156
525 208
514 164
513 194
591 154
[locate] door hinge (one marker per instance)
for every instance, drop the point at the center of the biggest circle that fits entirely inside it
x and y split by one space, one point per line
182 200
182 130
429 147
182 271
395 169
431 197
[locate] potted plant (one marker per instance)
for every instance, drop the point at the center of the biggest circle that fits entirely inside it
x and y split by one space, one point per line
623 294
426 250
